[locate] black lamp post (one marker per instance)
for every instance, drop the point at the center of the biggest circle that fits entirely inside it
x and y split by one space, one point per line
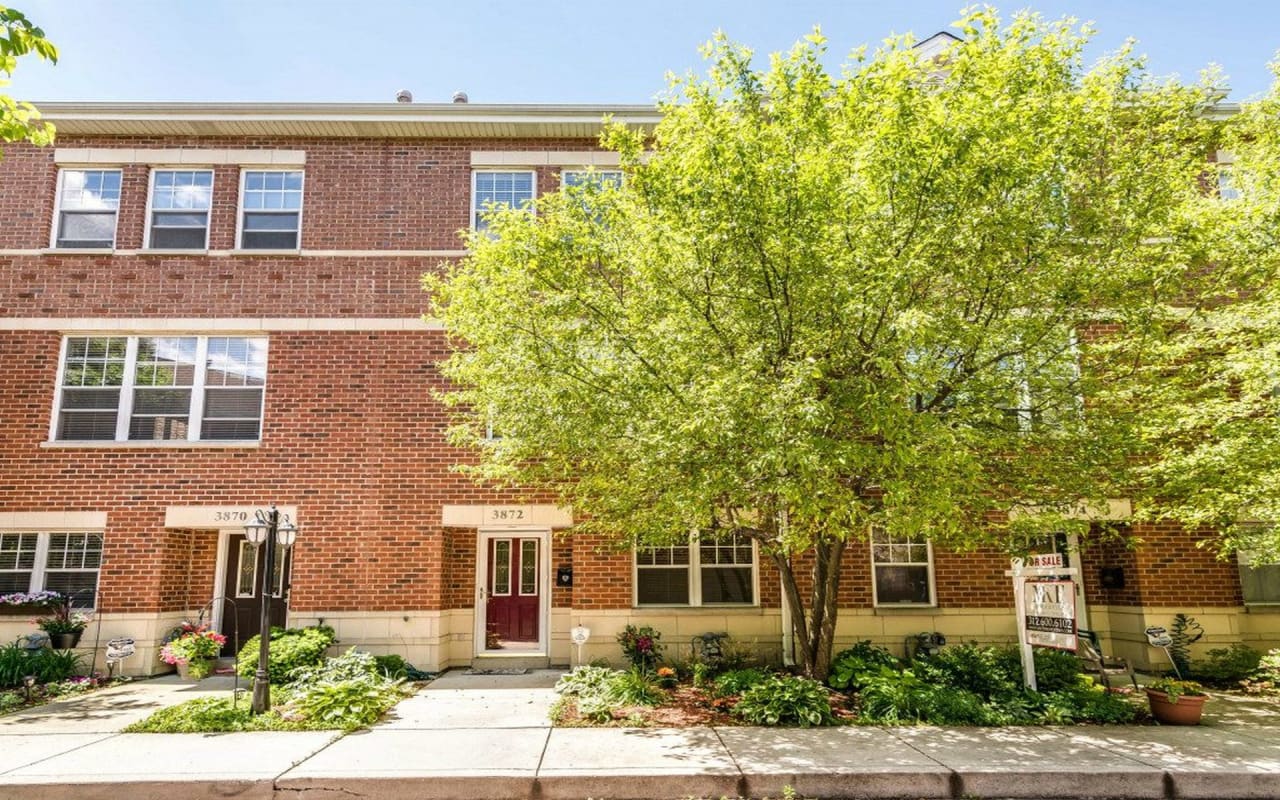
270 529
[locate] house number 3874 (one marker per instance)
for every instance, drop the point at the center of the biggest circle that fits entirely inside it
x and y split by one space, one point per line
506 514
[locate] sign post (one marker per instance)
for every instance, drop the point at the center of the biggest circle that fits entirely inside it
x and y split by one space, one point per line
118 650
1046 609
1159 637
579 637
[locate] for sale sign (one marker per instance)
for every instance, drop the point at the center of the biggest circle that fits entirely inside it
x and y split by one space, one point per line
1050 613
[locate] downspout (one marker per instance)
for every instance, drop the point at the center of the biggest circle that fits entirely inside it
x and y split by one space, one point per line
788 629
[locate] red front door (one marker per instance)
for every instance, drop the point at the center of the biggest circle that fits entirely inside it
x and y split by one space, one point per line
513 593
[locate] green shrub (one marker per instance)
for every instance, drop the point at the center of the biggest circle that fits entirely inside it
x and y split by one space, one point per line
290 649
786 700
585 680
1055 670
1087 704
347 704
350 665
990 672
634 688
49 666
849 666
393 666
1269 666
737 681
216 715
1226 666
600 690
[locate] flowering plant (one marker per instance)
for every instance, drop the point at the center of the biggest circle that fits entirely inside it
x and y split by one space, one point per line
193 643
61 618
640 645
42 598
667 677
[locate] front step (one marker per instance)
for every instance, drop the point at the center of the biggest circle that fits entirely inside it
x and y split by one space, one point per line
498 662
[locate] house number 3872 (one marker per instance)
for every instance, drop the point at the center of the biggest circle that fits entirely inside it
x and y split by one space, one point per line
506 514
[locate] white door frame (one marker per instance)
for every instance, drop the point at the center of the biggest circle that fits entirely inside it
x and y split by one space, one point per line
479 629
1074 561
221 565
220 576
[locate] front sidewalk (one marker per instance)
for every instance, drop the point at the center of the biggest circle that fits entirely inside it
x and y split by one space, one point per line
494 741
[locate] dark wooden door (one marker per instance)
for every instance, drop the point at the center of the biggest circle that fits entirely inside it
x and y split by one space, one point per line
242 591
513 592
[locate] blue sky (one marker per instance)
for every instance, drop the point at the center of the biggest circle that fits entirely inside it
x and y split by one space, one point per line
538 51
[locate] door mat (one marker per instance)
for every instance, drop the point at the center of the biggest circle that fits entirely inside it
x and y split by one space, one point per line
496 672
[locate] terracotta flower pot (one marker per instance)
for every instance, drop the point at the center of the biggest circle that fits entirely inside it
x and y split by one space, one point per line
196 669
1185 711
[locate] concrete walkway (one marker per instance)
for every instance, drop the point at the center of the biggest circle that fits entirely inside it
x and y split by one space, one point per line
489 737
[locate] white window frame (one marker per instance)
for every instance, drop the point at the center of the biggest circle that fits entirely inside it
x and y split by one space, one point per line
1224 164
302 204
565 173
474 212
694 570
39 569
124 408
57 206
151 193
875 587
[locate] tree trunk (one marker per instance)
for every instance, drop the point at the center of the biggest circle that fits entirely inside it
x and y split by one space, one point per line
814 625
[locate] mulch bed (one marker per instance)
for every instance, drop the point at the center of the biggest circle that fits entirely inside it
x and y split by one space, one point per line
685 707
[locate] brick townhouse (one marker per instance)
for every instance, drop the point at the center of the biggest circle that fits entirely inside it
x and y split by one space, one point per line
208 308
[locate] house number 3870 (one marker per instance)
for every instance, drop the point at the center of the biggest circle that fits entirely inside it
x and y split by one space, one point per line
506 514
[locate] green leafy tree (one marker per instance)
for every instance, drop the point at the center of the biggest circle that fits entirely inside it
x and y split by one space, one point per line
19 121
820 304
1207 373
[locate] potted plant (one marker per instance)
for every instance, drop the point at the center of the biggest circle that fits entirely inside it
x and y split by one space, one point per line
24 603
63 624
193 650
1176 702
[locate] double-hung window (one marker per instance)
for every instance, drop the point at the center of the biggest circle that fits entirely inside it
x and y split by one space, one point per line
1259 583
61 562
902 569
270 209
180 203
161 388
599 178
88 203
492 188
705 571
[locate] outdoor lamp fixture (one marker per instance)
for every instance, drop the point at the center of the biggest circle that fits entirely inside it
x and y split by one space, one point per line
270 528
28 683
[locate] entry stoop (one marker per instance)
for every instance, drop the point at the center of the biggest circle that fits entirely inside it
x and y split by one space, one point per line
502 662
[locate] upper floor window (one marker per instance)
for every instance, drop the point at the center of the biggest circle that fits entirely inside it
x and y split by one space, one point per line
88 203
719 571
493 188
67 563
180 203
1259 583
902 569
595 177
270 210
184 388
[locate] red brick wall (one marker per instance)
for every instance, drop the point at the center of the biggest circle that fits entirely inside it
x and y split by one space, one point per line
351 436
360 194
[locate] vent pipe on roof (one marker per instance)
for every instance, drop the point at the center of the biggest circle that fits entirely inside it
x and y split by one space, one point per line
460 97
404 96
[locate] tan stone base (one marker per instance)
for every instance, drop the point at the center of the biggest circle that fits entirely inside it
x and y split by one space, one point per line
437 640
